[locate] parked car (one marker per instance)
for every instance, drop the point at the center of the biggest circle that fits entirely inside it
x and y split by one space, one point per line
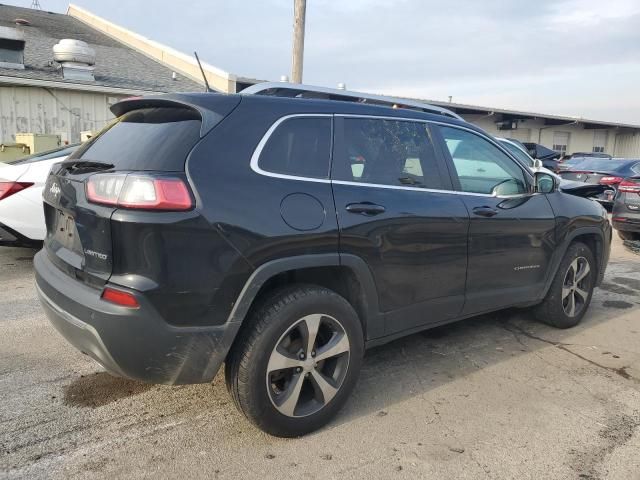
283 236
21 183
548 157
603 172
569 163
626 209
574 188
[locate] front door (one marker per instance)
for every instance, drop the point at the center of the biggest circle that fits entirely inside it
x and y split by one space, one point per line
511 232
413 238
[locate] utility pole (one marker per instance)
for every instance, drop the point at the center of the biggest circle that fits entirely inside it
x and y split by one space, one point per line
299 11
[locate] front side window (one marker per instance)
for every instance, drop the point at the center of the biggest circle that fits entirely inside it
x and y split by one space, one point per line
386 152
481 167
299 146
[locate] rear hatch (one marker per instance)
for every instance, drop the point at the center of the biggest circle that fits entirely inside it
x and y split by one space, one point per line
143 151
594 170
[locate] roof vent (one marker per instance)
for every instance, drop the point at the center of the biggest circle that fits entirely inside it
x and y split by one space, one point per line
11 48
76 59
22 21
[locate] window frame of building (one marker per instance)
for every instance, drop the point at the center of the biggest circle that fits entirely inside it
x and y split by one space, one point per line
561 145
600 138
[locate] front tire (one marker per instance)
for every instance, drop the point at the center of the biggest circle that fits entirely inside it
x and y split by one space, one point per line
296 361
570 293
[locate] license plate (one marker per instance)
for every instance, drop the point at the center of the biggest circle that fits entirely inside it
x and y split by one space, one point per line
66 233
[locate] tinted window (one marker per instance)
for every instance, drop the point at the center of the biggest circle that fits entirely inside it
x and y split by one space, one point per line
299 146
596 164
481 166
146 139
387 152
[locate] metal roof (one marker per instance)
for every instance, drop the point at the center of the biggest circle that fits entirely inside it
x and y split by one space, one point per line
117 66
466 109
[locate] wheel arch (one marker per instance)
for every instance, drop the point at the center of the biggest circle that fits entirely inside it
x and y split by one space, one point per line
594 238
347 275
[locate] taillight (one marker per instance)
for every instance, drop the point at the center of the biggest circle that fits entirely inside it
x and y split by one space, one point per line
610 180
629 186
9 188
119 297
135 191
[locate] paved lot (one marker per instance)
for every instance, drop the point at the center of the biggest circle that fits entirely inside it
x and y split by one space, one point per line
497 396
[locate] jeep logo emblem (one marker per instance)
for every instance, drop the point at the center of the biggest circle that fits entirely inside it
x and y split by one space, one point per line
54 189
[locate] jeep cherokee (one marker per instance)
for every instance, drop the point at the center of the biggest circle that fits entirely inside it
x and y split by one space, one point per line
283 236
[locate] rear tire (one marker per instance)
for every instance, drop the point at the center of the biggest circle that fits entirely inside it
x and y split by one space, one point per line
628 235
296 361
570 293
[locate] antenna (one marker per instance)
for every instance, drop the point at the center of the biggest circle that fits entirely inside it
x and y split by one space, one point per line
204 77
36 4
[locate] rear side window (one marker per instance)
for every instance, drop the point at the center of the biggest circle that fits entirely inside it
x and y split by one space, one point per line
299 146
146 139
386 152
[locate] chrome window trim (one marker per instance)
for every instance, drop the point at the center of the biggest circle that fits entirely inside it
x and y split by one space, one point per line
255 166
254 163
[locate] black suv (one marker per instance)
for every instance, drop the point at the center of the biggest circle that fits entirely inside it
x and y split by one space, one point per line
283 236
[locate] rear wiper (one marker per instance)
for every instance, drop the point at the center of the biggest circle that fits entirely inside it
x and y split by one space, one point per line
84 165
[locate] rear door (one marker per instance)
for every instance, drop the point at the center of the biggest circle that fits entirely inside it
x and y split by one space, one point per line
387 185
511 231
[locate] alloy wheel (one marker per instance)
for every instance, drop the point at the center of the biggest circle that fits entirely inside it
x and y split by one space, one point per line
575 288
308 365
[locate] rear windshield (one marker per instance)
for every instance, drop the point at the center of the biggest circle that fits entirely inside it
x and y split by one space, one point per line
146 139
597 164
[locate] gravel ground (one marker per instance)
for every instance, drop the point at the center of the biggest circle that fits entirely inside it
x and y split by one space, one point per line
496 396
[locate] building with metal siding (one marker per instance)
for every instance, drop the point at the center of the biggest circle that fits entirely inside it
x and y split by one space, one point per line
560 133
37 96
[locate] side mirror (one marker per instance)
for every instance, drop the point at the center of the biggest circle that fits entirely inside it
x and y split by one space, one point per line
537 164
544 182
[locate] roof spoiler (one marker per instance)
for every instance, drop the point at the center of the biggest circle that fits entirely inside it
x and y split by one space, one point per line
297 90
212 108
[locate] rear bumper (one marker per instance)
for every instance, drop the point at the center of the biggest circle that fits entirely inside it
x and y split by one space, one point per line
131 343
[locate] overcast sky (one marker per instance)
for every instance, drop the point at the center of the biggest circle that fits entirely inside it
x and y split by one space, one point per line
574 57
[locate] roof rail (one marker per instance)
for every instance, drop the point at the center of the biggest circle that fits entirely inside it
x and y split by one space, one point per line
297 90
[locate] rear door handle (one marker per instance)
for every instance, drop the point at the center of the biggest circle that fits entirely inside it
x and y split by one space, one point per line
485 211
365 208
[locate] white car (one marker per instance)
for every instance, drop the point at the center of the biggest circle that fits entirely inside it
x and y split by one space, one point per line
21 184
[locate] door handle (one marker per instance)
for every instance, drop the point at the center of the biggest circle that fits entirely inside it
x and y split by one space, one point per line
365 208
485 211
